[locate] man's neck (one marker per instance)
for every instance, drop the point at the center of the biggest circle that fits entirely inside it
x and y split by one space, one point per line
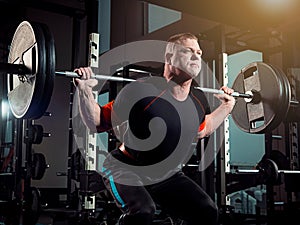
179 88
181 91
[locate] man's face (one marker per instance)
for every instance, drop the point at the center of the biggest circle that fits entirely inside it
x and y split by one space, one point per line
186 59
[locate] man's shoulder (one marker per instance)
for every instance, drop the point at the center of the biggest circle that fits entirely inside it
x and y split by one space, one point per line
200 97
197 92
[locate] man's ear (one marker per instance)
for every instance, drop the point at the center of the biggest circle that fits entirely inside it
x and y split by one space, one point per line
168 57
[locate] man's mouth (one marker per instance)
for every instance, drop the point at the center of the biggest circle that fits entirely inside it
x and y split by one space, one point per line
194 65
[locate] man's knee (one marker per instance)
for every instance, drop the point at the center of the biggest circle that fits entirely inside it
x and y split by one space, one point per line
142 216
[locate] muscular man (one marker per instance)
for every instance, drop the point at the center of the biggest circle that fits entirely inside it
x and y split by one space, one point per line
159 119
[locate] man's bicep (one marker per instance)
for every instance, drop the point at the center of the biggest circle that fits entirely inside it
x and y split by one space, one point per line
105 117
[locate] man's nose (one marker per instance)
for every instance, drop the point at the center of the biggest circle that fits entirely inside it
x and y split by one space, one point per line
195 56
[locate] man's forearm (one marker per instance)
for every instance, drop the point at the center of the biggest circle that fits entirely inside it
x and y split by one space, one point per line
216 118
89 110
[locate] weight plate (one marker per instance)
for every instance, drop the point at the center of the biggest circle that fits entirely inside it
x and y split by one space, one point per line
50 68
271 98
268 168
39 166
286 97
279 158
36 206
32 209
37 134
25 91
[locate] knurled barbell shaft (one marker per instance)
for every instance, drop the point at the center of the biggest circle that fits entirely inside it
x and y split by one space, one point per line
95 76
105 77
216 91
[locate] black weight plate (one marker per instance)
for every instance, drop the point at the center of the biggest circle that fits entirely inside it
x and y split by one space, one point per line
38 132
38 104
33 209
269 170
39 166
50 68
266 114
25 92
285 100
279 158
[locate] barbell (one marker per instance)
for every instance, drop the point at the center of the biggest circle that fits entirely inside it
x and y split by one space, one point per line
269 171
262 90
272 169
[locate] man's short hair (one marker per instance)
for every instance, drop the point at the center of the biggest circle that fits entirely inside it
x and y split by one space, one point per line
178 38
